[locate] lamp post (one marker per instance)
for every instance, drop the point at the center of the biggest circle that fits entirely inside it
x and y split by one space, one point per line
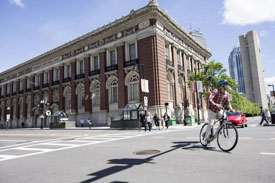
197 97
41 108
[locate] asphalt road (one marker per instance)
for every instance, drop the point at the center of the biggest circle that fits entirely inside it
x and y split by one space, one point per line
113 156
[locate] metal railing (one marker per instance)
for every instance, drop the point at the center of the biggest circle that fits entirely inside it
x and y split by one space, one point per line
169 62
111 68
94 72
131 62
79 76
68 79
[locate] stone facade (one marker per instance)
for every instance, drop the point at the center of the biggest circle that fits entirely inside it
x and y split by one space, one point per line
96 75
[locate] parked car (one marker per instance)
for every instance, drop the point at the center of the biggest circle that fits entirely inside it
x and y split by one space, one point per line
237 119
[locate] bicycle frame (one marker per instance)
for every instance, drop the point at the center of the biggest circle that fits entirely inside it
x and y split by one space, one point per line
223 121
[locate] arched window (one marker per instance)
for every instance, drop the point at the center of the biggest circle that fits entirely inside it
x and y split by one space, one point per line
134 89
96 95
113 92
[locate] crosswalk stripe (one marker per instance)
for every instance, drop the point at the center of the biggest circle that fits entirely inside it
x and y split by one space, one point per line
264 153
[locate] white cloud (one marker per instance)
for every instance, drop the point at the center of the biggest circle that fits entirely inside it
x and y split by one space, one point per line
244 12
17 3
270 80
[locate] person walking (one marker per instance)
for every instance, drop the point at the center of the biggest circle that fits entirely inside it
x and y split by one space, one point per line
82 122
166 118
148 121
263 114
89 123
142 119
157 121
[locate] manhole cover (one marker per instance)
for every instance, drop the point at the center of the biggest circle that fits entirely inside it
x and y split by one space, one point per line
146 152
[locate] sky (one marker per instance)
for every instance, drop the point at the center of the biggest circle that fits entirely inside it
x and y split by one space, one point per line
29 28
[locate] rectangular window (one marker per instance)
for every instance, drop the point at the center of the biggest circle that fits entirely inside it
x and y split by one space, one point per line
113 94
46 77
56 75
178 58
14 87
113 57
167 51
68 70
21 85
81 67
96 63
132 51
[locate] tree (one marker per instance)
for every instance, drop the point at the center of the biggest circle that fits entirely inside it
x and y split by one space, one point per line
210 75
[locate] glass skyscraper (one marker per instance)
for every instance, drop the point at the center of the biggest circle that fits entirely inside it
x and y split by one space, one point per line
236 69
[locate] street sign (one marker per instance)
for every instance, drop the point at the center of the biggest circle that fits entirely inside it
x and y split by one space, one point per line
48 113
144 85
145 101
199 86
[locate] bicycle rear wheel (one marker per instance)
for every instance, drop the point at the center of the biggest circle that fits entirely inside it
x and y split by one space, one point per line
227 137
203 135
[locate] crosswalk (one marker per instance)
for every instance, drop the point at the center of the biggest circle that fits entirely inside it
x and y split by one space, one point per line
47 146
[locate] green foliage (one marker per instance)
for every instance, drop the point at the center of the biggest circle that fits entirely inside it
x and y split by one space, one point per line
212 73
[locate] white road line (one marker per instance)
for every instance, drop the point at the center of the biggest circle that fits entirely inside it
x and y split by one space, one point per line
264 153
58 142
12 140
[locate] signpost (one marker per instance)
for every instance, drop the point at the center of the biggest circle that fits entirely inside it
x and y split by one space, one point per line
48 113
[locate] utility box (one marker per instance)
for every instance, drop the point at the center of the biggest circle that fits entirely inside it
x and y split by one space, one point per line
172 122
273 117
190 120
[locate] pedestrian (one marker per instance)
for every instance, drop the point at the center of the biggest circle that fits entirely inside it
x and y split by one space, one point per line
166 118
148 121
263 114
157 121
82 122
142 119
89 123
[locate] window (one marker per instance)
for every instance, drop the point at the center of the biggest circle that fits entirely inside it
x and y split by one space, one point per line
179 58
132 51
8 89
96 93
81 67
96 63
21 85
170 90
81 98
14 87
68 93
28 83
181 89
167 51
37 80
56 75
113 94
67 71
46 77
2 91
134 89
113 57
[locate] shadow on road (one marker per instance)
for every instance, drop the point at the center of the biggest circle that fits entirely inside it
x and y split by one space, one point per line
126 163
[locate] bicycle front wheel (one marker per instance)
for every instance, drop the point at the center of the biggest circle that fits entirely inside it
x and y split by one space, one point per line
227 137
203 135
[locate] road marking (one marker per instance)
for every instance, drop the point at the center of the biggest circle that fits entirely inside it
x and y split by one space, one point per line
195 138
263 153
13 140
72 143
245 138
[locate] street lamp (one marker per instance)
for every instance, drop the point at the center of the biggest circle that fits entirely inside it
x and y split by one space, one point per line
42 102
197 97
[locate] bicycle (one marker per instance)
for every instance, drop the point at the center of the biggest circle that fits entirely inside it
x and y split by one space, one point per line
226 134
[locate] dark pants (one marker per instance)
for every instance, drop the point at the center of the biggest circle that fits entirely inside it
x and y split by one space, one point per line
264 119
149 125
167 124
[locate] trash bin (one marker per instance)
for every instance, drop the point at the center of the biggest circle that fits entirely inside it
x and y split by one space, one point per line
190 120
172 122
273 117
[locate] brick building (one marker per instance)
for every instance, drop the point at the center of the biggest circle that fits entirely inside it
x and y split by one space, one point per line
97 74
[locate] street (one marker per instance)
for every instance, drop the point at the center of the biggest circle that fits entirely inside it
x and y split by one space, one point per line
120 156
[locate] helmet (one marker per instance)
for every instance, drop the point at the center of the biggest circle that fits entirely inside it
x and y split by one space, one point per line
223 82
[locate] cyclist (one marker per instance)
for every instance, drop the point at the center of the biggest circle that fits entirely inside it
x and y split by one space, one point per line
216 100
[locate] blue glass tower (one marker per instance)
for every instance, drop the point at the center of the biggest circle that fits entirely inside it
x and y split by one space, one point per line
236 69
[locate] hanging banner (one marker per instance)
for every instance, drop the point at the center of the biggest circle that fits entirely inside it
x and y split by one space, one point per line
144 85
193 87
199 86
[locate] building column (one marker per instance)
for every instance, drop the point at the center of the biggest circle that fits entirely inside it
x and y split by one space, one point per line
41 86
87 85
122 89
186 78
176 78
73 87
24 100
50 87
32 96
61 97
104 102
